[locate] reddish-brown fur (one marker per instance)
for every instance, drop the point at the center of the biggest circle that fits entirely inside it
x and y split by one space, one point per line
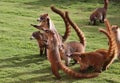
53 54
67 32
98 58
55 60
45 23
106 56
99 13
49 25
116 31
62 14
114 53
75 46
94 59
41 39
80 34
72 46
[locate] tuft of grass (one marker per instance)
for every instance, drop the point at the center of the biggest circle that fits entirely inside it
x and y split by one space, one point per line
19 57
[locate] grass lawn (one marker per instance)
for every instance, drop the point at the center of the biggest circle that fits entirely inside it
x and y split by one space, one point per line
19 56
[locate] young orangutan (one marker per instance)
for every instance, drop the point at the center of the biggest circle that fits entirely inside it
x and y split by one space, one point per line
73 46
116 31
53 52
41 39
99 14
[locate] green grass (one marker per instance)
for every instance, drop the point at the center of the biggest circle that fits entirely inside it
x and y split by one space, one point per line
19 57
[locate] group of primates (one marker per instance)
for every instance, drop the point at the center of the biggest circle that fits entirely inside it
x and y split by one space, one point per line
56 49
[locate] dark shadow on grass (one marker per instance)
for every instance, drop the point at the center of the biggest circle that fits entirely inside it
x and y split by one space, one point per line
25 61
61 3
47 3
18 61
65 2
44 75
35 79
117 61
45 78
111 81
